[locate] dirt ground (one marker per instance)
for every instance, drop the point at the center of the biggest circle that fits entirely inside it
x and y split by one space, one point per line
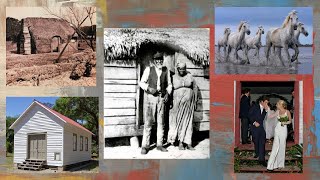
17 63
202 151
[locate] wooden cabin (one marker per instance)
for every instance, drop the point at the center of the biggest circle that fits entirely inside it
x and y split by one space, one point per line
128 52
46 138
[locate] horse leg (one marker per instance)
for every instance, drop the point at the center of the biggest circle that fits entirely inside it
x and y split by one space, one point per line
258 53
228 53
296 53
246 52
280 56
268 46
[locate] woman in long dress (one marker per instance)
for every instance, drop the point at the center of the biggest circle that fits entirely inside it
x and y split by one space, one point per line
278 152
184 104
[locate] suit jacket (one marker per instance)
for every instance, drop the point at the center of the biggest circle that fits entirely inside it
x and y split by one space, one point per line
256 115
244 107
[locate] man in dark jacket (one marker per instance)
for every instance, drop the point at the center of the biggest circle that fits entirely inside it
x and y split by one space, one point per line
256 115
156 82
243 115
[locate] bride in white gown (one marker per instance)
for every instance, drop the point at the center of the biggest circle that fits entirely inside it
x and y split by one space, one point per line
278 153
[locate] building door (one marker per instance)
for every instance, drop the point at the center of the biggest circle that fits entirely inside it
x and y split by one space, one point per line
37 146
55 42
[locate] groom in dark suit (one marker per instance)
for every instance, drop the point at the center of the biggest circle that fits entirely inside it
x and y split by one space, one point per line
256 115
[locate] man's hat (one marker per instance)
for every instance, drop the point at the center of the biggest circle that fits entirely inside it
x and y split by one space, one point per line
157 55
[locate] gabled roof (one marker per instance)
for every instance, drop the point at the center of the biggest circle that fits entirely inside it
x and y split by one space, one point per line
61 117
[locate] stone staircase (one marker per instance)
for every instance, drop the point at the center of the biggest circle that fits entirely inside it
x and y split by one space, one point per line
30 164
246 163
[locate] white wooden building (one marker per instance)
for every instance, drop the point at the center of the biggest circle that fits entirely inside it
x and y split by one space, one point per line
41 133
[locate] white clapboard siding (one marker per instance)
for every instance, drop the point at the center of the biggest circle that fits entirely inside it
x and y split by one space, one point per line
122 130
119 112
122 120
203 126
201 116
116 103
202 83
108 88
204 94
70 156
124 73
120 95
203 104
38 120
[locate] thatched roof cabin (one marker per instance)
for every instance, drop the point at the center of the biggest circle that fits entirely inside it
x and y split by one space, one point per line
128 52
42 31
126 43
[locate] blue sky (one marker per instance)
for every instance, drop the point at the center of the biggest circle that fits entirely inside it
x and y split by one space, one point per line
268 17
17 105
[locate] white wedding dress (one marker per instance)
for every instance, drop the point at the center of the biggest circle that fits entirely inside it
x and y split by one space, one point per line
278 153
269 124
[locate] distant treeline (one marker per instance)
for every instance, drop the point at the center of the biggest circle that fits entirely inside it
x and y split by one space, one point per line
13 28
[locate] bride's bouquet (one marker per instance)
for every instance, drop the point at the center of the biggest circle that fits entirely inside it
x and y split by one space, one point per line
283 119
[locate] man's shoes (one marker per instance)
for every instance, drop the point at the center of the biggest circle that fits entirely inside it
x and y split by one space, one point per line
162 149
181 146
256 156
144 150
263 163
189 147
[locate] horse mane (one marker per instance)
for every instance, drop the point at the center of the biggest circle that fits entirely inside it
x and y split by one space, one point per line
286 20
240 25
225 30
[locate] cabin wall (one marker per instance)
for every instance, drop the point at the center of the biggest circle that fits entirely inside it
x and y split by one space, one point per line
38 120
120 99
70 156
201 115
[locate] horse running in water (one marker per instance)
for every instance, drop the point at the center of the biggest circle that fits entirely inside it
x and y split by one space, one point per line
295 39
222 42
253 43
282 37
236 39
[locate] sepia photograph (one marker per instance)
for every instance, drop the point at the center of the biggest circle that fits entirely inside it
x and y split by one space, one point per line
263 40
51 46
269 126
156 93
42 137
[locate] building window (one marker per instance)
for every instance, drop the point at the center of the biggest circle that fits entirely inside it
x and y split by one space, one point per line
86 143
81 143
57 156
74 142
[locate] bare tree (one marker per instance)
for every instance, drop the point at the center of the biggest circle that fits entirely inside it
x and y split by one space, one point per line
75 16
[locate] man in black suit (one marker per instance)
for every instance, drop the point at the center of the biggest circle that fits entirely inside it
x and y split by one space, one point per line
243 115
256 115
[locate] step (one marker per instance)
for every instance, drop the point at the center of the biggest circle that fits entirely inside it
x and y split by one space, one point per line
251 158
250 147
34 160
29 168
262 169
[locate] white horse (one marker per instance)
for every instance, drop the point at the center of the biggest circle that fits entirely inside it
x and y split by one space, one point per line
222 42
235 39
254 42
295 39
282 37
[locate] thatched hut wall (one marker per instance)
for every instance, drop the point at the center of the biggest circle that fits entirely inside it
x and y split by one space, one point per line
43 30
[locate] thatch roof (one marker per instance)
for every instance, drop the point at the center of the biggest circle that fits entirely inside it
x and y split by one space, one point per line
46 28
125 43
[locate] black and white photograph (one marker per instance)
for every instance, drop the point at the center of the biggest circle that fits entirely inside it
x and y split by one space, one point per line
156 93
252 40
